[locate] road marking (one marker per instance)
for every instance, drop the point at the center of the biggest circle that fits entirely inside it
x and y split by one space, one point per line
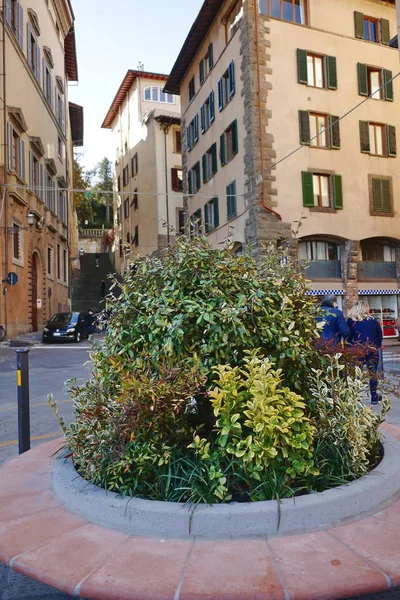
45 436
14 406
65 348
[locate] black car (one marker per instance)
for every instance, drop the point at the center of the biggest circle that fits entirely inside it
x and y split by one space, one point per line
65 326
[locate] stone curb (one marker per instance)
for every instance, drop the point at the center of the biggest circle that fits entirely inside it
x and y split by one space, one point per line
173 520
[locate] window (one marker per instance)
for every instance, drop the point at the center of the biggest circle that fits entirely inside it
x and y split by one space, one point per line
60 109
176 180
210 163
181 221
378 139
33 172
192 133
33 53
370 79
211 215
207 113
196 227
135 240
317 70
62 206
125 176
156 94
16 153
126 208
50 193
60 149
65 266
206 64
226 87
194 179
135 201
314 250
49 261
375 252
47 83
134 164
322 190
229 143
371 29
381 196
15 18
192 89
177 141
119 216
18 240
319 130
288 10
58 262
231 208
119 183
233 20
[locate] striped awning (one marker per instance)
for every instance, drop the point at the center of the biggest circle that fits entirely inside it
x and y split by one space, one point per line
325 293
378 292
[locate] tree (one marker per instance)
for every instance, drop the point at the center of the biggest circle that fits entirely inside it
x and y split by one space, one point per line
103 188
82 181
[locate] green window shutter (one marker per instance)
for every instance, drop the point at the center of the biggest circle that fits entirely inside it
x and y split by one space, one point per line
190 183
302 72
362 79
214 158
359 24
216 212
337 191
364 137
334 132
204 165
198 175
201 72
391 140
222 149
235 141
308 188
206 218
385 31
331 72
388 89
376 195
386 196
304 127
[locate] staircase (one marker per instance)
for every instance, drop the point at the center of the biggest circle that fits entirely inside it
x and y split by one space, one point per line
86 284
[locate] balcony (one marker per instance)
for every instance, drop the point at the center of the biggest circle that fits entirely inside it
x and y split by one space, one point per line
322 269
377 270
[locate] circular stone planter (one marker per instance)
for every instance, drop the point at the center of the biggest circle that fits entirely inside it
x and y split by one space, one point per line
169 519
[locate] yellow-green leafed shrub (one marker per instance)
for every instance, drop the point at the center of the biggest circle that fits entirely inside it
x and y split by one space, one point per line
259 421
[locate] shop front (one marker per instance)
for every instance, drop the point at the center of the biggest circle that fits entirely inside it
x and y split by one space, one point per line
384 306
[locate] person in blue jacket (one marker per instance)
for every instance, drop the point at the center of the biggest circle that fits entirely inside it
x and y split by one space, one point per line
335 327
366 332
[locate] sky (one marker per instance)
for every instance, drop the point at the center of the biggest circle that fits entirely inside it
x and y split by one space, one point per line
112 37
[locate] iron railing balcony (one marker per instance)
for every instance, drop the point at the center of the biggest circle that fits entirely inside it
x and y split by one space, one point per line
368 269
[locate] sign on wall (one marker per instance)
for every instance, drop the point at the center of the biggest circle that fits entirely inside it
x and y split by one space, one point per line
39 303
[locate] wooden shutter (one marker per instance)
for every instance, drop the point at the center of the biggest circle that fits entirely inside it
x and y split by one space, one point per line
359 24
188 139
212 106
216 212
231 78
22 159
40 190
385 31
214 158
388 89
198 175
196 127
222 149
207 217
210 57
20 25
201 72
337 191
63 116
391 140
364 137
220 95
376 195
31 187
302 71
304 126
235 140
8 11
331 72
308 188
11 165
204 165
29 34
190 182
174 179
202 118
386 196
37 72
362 79
334 132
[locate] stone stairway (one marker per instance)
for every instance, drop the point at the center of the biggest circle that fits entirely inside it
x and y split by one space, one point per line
86 284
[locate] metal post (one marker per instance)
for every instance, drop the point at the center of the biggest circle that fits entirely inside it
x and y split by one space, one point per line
24 430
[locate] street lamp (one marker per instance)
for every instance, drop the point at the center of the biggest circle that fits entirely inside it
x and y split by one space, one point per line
31 219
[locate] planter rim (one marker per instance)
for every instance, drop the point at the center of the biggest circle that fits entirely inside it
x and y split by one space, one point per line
310 512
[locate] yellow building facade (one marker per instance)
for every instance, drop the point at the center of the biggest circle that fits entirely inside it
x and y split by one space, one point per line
36 210
267 140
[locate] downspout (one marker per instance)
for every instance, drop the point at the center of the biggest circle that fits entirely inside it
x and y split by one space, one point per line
166 130
5 146
263 203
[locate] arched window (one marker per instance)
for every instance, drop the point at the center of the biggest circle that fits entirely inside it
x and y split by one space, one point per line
322 259
156 94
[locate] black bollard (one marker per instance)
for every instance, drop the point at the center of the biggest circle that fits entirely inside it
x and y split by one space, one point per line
24 429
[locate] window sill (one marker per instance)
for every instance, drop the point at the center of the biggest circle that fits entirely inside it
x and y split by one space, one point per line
18 263
323 209
51 277
372 279
381 214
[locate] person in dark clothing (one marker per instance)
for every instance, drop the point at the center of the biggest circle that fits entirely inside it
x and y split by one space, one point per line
103 288
97 257
335 327
90 322
366 333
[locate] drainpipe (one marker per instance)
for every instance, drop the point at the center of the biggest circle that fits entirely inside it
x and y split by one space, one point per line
5 146
166 130
263 203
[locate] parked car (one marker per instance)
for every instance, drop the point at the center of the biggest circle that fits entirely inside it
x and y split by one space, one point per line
65 326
